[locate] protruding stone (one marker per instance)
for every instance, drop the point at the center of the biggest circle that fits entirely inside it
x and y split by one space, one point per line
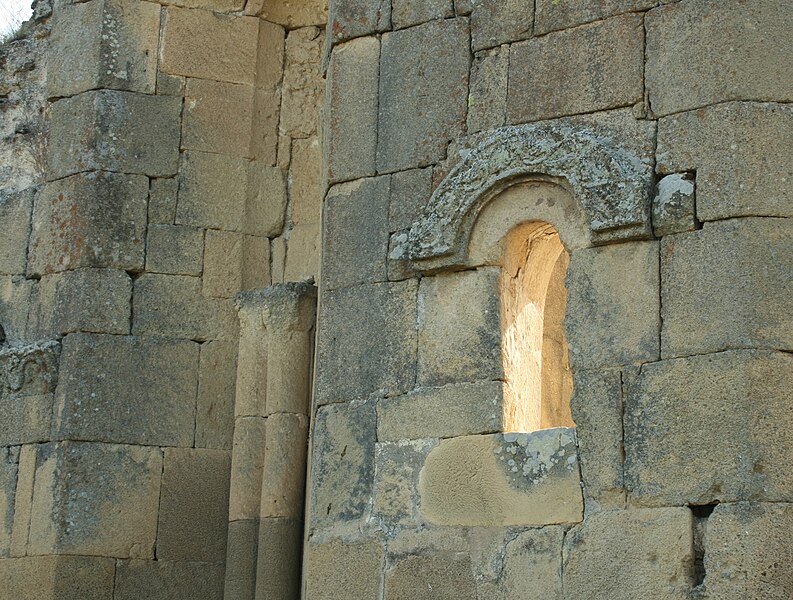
674 205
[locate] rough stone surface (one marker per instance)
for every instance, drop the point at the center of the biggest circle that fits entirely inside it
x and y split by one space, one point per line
162 200
198 43
114 131
459 328
286 440
354 18
194 500
701 53
279 558
356 233
96 402
343 447
674 205
295 14
353 363
410 193
9 467
93 220
303 253
612 315
487 98
448 411
423 93
67 577
351 124
241 559
16 313
727 286
406 13
15 213
681 416
174 249
265 208
167 580
217 376
305 174
223 256
96 499
552 15
361 579
217 117
595 67
502 480
739 153
495 22
246 468
267 95
425 577
622 555
303 86
23 500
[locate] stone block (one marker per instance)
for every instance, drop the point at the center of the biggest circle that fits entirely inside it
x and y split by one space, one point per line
222 264
681 419
23 500
167 580
351 126
674 205
410 193
255 262
725 287
367 341
596 406
217 374
173 306
693 60
284 471
628 554
406 13
303 87
738 151
448 411
496 22
360 578
162 201
96 499
342 465
217 117
459 328
356 233
748 553
218 6
17 300
613 305
194 501
246 468
95 400
241 558
553 15
206 45
48 577
279 558
92 220
431 577
267 95
349 19
487 97
9 467
108 44
265 207
295 15
174 249
533 565
15 213
503 480
29 370
114 131
170 85
212 191
305 175
423 93
302 253
582 70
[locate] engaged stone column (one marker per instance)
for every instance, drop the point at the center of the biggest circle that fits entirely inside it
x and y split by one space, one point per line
270 441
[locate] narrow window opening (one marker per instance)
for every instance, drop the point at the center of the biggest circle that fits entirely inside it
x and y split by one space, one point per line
538 378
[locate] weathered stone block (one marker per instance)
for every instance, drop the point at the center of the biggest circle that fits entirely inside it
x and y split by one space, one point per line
674 205
267 95
613 305
406 13
356 233
342 465
27 416
203 44
255 262
284 471
241 558
302 253
410 193
217 376
265 207
48 577
354 18
103 44
93 220
162 200
693 60
495 22
681 419
305 173
748 553
502 480
217 117
459 328
9 467
423 93
295 15
170 85
351 126
173 306
303 86
114 131
194 501
361 577
487 97
623 555
15 212
96 499
594 67
222 264
246 468
167 580
279 558
353 362
426 577
448 411
174 249
726 287
552 15
212 191
739 151
96 401
17 298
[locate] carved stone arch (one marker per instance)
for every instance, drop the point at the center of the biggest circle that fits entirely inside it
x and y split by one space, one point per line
608 176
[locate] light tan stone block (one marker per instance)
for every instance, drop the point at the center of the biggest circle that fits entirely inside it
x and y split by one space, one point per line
265 206
174 249
431 577
15 213
278 568
361 578
215 406
495 22
217 117
503 480
23 501
27 418
487 97
303 86
17 297
247 462
628 554
533 565
48 577
267 96
222 264
553 15
241 560
305 175
255 262
198 43
194 500
284 471
295 14
302 253
168 580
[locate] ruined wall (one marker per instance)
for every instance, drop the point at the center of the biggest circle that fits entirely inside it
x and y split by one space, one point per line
653 136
